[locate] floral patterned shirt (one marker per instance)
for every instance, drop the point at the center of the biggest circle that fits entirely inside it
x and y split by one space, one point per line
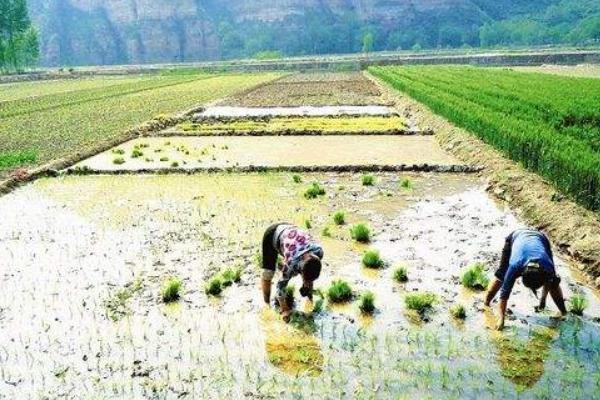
294 243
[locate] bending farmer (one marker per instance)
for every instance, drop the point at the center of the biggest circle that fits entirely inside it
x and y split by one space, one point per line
301 256
526 253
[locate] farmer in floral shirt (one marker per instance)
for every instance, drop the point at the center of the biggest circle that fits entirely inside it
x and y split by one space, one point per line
301 256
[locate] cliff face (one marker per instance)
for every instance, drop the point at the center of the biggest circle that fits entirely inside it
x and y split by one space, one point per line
144 31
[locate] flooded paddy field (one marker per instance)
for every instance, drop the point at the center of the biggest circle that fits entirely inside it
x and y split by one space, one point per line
315 89
84 259
187 152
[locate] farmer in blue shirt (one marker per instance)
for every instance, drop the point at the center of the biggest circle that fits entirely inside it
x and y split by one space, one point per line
526 254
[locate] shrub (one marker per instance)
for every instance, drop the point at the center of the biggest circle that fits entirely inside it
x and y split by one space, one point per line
170 290
475 277
420 302
366 303
214 287
339 218
118 160
230 275
401 274
458 311
297 178
360 233
368 180
339 291
578 303
315 190
372 259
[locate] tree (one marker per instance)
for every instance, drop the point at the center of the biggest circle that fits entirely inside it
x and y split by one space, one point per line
367 42
19 44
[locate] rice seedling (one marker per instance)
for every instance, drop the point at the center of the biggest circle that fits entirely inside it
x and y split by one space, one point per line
372 259
401 274
307 224
297 178
231 275
118 151
366 302
319 301
164 159
118 160
578 303
361 233
420 302
148 159
290 290
406 183
475 278
368 180
458 311
339 218
174 164
137 153
339 291
315 190
170 290
214 286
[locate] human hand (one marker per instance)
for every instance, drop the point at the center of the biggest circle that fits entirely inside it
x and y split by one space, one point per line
286 315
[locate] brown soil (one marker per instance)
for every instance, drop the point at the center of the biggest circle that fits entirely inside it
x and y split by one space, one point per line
575 230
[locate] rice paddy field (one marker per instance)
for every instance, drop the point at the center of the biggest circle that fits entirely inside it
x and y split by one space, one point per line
135 274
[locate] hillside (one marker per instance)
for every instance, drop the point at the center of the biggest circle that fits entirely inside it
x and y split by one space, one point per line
78 32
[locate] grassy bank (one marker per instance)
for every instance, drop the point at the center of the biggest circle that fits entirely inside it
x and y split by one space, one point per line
47 120
550 124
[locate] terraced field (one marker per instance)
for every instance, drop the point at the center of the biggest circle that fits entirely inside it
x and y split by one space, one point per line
89 258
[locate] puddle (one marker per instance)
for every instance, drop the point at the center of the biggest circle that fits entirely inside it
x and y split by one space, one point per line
154 153
68 245
309 111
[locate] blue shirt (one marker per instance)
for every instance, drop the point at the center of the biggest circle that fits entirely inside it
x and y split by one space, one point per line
527 246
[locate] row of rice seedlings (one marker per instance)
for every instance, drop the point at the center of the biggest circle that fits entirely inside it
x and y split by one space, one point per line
223 279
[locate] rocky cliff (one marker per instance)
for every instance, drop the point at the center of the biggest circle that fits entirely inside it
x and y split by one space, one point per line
75 32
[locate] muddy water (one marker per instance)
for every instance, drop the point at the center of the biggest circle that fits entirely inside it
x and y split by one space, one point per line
69 245
312 111
271 151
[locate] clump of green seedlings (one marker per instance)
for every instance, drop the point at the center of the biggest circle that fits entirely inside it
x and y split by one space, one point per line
368 180
289 294
406 183
174 164
214 286
297 178
118 160
164 159
578 303
117 306
118 151
361 233
458 311
231 275
401 274
148 159
315 190
420 302
137 153
339 291
339 218
170 290
326 232
372 259
475 278
319 301
307 224
366 302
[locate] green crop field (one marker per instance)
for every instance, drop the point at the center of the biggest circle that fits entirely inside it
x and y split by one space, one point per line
69 116
550 124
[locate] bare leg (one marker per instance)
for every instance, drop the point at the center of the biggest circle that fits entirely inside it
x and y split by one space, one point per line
543 298
492 290
559 300
266 289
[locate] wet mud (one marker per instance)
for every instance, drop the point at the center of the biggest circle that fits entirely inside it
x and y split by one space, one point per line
75 249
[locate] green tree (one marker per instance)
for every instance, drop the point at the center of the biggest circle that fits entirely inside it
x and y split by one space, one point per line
368 40
19 44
